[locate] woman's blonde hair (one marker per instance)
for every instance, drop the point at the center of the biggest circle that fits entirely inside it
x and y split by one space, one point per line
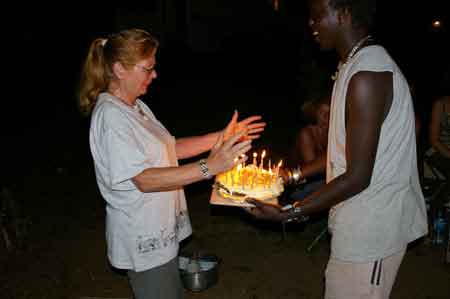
127 47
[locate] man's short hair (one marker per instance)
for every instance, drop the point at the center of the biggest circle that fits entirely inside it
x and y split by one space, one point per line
362 11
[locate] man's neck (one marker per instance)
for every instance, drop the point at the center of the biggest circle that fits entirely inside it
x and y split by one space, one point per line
349 41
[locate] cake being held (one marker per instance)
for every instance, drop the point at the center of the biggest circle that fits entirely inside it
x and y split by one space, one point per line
250 181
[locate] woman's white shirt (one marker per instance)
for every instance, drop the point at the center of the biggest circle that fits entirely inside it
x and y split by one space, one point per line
142 229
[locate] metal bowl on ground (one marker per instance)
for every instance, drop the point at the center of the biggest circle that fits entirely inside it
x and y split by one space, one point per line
198 271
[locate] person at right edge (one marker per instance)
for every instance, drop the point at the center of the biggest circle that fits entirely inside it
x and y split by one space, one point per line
372 190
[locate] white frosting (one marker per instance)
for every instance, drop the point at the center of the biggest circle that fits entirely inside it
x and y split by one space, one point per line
250 182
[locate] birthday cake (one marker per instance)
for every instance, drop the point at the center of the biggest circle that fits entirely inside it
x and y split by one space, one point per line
250 181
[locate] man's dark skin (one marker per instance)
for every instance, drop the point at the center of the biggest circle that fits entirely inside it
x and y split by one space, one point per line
368 100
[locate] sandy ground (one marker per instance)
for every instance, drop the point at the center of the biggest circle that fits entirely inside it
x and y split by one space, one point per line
65 252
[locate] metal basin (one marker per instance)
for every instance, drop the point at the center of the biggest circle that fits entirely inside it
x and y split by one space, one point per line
198 272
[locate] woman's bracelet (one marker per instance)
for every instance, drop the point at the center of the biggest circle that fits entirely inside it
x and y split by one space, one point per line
204 168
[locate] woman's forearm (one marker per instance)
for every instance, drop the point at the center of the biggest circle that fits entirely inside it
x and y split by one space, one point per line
188 147
168 178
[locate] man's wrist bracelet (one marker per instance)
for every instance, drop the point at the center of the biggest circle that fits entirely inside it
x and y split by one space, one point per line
294 213
204 168
295 175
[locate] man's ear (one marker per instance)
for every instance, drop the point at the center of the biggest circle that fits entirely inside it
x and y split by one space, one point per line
118 69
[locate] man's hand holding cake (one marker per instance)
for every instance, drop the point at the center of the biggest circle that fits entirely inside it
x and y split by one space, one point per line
275 212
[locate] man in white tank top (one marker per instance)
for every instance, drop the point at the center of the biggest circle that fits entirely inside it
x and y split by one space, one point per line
373 192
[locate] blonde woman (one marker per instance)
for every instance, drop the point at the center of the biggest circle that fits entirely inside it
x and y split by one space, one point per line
136 162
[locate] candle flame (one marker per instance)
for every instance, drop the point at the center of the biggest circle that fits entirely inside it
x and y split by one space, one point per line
243 157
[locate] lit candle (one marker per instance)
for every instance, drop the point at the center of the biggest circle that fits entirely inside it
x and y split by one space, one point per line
233 173
254 158
270 178
270 165
278 168
238 179
243 162
262 159
255 173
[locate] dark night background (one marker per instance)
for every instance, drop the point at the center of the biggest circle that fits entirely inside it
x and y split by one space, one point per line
215 56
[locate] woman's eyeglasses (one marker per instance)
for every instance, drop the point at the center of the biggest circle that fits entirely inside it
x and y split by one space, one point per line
148 70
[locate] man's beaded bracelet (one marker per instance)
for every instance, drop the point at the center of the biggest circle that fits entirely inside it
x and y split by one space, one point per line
294 213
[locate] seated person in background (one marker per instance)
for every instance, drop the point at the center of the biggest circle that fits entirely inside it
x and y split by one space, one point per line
439 153
310 153
440 135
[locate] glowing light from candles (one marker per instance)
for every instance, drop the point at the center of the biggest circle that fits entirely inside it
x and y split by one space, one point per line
254 176
233 173
278 168
262 159
238 173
